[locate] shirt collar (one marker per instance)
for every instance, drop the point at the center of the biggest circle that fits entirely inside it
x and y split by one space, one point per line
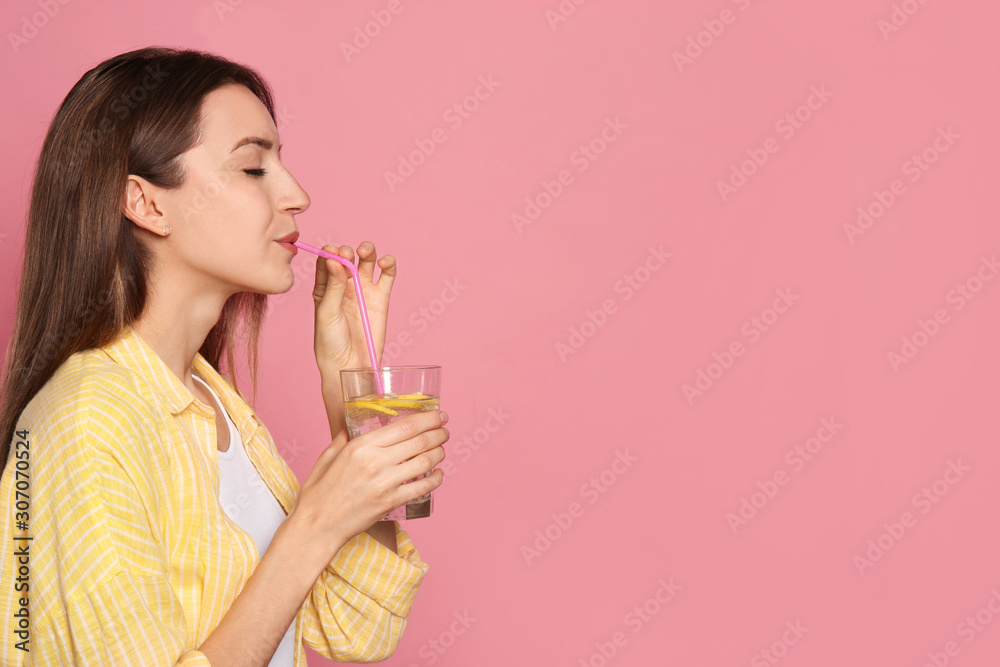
131 351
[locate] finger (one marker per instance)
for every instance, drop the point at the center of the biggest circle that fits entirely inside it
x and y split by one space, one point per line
404 429
392 435
387 263
418 487
416 446
417 466
331 277
347 252
366 261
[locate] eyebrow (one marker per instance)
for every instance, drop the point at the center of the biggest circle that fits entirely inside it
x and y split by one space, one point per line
266 144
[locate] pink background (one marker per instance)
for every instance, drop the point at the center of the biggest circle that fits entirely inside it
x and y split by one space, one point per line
682 128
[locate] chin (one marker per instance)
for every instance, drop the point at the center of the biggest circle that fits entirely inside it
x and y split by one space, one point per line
273 281
275 287
280 290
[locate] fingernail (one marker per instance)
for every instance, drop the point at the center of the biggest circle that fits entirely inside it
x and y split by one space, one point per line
444 417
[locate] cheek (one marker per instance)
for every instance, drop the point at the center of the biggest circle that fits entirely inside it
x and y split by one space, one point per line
245 199
225 207
202 200
232 209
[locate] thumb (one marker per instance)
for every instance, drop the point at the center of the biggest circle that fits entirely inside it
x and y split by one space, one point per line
331 282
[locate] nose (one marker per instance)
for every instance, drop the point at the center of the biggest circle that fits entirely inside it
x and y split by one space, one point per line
294 198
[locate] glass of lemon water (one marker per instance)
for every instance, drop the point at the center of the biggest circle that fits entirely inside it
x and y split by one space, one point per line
407 390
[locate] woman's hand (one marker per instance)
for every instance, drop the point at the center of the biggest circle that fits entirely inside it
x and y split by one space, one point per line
354 483
339 337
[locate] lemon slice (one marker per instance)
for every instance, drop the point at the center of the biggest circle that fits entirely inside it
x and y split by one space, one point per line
371 405
405 405
413 397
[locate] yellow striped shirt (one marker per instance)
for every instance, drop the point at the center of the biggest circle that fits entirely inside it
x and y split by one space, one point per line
132 559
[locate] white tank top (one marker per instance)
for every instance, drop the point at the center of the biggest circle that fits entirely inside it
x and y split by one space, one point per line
251 505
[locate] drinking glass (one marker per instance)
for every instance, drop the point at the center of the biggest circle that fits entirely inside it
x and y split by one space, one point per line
408 390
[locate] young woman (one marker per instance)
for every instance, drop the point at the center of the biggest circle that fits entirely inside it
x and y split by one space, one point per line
148 518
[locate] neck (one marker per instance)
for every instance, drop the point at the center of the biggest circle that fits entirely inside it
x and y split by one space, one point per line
176 322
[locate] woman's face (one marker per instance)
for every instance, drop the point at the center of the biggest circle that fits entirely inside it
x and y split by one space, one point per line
236 202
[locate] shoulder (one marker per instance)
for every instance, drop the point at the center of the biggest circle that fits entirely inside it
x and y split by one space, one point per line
90 393
93 432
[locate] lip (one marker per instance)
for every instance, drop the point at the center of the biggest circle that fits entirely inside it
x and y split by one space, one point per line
288 242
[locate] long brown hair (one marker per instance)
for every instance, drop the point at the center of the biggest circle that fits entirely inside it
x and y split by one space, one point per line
84 275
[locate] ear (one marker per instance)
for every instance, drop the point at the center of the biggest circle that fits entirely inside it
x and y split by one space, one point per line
140 206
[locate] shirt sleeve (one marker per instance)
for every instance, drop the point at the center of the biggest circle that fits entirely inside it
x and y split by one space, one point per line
130 619
357 608
99 592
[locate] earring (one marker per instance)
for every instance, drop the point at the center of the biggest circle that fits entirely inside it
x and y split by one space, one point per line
167 229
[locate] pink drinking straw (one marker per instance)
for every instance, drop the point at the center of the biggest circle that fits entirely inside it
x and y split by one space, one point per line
361 304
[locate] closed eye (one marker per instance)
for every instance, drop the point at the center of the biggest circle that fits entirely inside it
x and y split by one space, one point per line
255 172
